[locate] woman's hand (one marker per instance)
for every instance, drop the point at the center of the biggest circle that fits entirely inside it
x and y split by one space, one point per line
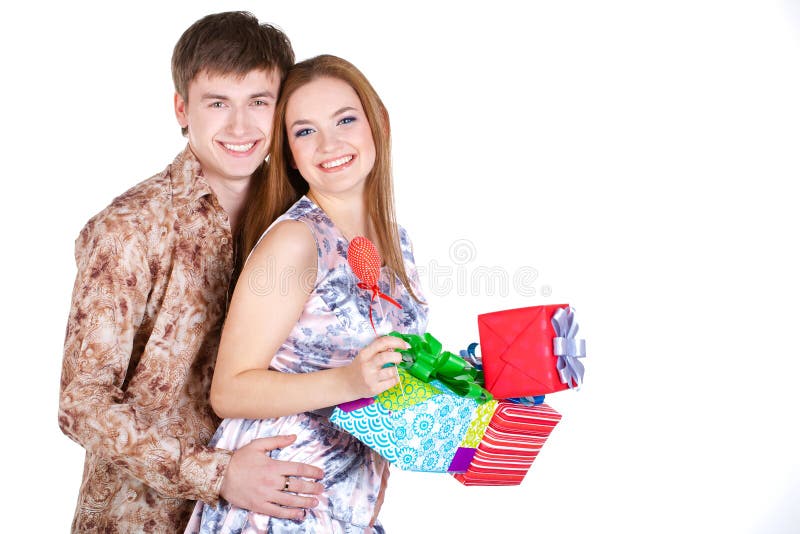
366 374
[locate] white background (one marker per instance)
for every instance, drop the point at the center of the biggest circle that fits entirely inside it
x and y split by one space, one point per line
639 155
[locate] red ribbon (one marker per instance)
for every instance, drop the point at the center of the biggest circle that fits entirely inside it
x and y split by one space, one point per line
365 262
376 292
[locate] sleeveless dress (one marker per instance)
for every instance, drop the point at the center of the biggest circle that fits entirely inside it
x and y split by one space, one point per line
332 328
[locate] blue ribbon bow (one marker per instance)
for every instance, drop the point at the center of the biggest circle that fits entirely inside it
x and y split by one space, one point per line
528 401
470 356
567 348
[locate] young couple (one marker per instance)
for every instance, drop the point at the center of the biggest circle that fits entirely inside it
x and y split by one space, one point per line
140 390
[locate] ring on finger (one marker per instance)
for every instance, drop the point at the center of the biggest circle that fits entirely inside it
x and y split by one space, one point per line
286 483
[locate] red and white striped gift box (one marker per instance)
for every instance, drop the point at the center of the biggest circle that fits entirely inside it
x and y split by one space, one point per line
511 443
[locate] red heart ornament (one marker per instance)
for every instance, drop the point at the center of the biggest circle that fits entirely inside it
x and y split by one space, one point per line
365 262
364 259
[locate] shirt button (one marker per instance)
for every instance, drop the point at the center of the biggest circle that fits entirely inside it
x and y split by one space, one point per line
224 240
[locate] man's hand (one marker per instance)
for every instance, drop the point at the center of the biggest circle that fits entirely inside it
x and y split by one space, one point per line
255 482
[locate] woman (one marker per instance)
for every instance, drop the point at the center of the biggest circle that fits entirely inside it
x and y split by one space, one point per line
299 335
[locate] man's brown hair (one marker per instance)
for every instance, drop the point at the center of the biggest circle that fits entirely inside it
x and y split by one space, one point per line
229 43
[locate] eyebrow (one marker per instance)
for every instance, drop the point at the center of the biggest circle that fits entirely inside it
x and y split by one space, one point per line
335 113
214 96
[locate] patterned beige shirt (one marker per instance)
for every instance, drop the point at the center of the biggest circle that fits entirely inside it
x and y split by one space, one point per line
147 310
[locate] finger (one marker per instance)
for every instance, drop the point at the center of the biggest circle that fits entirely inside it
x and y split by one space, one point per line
296 469
388 357
291 500
382 382
274 510
275 442
307 487
388 377
388 343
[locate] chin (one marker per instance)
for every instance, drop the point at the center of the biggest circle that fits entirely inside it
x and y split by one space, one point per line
237 174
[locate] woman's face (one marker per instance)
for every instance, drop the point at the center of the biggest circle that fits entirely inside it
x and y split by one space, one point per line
329 137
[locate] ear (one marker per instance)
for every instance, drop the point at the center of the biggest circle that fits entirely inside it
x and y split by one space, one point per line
180 110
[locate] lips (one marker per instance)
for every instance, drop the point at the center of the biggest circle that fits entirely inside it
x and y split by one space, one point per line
239 149
337 164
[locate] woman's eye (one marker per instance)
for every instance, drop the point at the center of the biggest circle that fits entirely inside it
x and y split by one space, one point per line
346 120
304 132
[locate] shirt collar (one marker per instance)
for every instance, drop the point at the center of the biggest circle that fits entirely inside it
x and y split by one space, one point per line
188 184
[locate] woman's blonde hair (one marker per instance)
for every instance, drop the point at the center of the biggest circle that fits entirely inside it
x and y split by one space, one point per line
269 198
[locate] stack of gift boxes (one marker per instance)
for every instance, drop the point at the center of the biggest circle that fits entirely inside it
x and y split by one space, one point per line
482 420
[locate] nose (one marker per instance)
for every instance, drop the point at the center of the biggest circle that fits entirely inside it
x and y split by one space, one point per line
329 140
239 122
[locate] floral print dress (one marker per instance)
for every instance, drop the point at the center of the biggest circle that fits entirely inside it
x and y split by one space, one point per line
333 327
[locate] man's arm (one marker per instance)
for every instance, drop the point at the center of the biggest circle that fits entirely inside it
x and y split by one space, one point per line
108 306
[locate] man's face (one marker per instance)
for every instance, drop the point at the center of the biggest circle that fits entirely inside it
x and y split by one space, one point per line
229 120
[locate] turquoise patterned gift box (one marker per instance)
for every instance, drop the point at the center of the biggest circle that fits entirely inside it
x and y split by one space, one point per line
417 428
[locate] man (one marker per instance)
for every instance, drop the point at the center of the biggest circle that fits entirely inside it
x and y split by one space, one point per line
154 271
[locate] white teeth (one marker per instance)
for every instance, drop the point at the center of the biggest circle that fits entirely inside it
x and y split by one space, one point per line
336 162
239 148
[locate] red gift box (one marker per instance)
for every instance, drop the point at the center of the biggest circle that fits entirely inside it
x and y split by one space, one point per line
511 443
517 352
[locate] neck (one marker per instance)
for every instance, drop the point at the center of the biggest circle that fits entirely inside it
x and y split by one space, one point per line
349 213
231 195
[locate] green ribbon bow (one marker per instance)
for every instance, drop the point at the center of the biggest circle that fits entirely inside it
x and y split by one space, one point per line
426 361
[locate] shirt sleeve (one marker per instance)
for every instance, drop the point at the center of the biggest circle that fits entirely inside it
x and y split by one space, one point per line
108 306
